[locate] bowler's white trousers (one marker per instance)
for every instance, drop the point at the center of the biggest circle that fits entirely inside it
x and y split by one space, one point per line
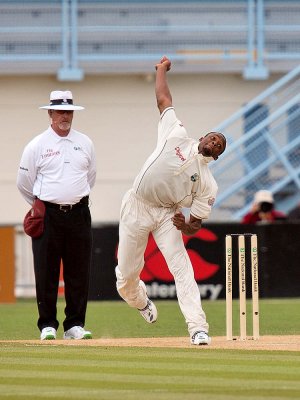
138 219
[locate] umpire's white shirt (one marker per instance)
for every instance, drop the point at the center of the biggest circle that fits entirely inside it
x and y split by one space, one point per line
58 169
175 175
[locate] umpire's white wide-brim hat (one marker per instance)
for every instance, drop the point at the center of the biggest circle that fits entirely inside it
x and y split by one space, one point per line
62 100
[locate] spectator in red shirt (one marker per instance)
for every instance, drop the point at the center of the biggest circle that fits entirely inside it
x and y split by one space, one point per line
263 209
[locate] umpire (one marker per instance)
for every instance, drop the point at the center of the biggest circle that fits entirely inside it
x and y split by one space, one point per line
59 167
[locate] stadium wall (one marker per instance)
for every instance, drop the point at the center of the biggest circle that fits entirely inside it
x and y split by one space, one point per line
278 265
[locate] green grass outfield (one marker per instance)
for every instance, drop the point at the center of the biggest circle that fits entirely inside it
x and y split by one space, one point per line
33 371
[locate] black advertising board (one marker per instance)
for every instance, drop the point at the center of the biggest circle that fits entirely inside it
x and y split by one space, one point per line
278 262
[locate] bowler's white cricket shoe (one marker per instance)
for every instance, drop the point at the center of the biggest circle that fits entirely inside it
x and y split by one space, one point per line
77 332
149 313
48 333
200 338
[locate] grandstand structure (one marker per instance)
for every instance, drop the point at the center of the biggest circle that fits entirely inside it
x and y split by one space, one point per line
76 39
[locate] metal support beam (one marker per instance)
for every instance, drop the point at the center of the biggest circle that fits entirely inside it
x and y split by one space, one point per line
70 70
255 68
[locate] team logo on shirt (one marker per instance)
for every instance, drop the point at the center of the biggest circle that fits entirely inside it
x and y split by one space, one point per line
211 201
179 154
195 177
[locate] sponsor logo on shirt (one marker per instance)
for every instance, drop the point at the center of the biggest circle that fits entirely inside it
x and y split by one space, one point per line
179 154
50 153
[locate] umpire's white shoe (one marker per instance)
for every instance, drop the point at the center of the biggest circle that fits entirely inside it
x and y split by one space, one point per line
77 332
149 313
48 333
200 338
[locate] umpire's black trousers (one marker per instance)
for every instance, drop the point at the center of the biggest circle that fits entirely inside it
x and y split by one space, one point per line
67 237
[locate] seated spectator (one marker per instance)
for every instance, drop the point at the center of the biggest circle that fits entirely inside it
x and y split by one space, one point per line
263 209
294 214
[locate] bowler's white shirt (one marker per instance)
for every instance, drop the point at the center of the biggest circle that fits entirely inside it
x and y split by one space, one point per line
58 169
175 175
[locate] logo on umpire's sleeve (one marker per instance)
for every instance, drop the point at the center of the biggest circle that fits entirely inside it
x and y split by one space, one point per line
194 177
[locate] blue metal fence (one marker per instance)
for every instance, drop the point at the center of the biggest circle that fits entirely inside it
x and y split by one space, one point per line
266 155
77 37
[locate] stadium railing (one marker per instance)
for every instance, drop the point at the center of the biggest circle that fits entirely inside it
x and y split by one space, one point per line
263 150
78 37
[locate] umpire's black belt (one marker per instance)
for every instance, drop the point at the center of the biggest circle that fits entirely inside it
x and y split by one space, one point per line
68 207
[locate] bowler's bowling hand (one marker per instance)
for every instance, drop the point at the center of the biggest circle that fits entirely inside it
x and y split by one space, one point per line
164 62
